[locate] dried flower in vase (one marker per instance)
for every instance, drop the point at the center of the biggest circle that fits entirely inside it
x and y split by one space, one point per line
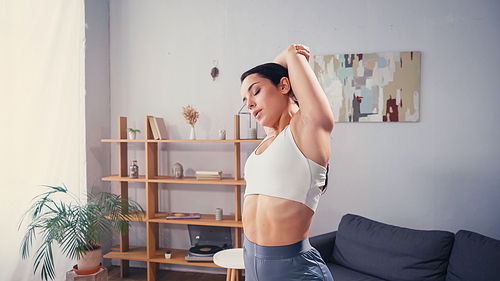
190 114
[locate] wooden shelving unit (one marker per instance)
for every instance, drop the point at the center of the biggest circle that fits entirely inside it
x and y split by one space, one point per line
152 253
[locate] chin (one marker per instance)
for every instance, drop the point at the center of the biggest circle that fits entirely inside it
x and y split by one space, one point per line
258 121
263 123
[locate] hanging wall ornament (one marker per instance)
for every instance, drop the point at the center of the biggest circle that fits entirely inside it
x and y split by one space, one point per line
215 70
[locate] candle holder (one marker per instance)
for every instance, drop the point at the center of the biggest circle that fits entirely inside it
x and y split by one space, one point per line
248 125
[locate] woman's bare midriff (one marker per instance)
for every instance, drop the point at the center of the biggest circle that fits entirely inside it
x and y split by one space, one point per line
272 221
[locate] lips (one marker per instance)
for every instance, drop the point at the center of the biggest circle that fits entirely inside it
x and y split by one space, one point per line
256 113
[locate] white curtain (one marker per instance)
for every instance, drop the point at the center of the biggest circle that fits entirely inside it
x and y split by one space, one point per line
42 121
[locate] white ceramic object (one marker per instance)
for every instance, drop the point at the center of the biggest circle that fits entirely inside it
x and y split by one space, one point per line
218 214
192 136
222 134
252 133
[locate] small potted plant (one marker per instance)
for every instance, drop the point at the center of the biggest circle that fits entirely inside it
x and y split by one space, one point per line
132 133
77 227
168 254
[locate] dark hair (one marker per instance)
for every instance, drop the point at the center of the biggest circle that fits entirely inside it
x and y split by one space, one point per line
271 71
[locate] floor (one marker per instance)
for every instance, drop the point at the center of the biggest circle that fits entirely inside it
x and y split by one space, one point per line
140 274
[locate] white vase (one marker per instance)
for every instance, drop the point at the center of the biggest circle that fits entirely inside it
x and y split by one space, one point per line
131 136
192 136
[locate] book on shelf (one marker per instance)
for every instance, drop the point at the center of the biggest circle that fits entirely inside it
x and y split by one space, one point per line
154 127
162 129
208 175
158 128
183 216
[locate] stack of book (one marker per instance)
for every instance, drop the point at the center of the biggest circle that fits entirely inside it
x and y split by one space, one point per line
208 175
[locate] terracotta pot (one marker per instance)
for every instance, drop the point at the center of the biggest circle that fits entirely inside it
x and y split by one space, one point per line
86 271
91 260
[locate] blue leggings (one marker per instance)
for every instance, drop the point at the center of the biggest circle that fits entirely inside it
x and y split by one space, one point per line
299 261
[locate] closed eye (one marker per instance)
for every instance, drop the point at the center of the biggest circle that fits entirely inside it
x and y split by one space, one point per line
257 92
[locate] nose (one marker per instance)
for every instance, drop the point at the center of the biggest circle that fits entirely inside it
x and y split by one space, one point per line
250 104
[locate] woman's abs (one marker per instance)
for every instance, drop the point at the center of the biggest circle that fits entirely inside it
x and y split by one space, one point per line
271 221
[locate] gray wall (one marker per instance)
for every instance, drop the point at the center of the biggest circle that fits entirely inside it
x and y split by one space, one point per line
97 88
439 173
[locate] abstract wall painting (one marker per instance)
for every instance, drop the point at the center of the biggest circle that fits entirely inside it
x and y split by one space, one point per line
374 87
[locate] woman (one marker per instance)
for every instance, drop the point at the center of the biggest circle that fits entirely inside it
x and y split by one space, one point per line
287 172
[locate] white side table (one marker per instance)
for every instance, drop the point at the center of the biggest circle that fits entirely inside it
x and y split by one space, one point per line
232 259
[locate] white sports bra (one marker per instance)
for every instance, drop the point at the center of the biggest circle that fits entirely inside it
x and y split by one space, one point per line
283 171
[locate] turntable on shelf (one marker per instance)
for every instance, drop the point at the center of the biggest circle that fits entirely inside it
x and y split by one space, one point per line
206 241
202 253
204 250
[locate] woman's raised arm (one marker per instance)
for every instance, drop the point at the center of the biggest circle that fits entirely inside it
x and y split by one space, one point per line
314 107
313 123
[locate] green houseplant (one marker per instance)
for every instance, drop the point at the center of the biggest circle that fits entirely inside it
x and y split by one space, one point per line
132 133
77 227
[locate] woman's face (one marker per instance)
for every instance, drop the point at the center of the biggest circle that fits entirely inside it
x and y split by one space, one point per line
264 100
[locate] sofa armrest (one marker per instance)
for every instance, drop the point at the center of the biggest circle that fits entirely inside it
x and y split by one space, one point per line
324 244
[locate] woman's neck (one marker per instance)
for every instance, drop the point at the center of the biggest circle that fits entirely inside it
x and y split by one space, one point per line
284 121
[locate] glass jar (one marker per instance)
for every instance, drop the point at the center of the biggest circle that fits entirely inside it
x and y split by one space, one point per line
133 170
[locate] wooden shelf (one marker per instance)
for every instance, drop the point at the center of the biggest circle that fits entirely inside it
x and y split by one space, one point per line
184 141
169 179
205 219
140 254
118 178
178 257
151 253
134 254
193 180
121 140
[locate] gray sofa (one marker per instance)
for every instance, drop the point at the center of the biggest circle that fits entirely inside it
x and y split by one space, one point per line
366 250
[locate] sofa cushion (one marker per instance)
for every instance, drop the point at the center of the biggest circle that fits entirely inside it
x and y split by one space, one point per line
340 273
474 257
324 244
391 252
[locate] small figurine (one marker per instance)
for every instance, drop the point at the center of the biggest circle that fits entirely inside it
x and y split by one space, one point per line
222 134
177 171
